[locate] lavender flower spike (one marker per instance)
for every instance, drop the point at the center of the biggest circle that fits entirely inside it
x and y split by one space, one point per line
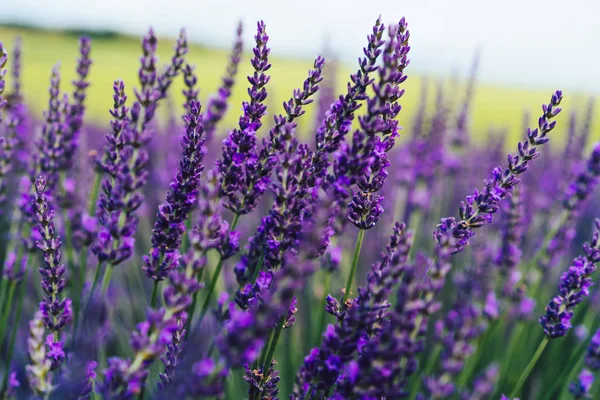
479 208
573 289
38 372
169 226
3 59
55 310
581 388
379 129
77 108
239 164
217 105
592 355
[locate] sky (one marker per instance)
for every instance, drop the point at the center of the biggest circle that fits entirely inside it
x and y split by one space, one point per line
546 44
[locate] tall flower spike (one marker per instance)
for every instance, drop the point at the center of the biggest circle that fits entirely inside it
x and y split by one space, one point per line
183 194
572 290
51 144
55 309
479 208
339 119
379 129
165 79
118 202
216 107
8 145
279 230
3 71
239 164
77 108
38 371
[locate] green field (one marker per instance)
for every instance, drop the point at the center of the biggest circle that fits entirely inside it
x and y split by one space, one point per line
118 58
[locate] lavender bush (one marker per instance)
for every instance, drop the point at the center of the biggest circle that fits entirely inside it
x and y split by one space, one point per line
341 257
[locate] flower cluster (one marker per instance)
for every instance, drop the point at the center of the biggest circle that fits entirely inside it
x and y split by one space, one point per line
573 289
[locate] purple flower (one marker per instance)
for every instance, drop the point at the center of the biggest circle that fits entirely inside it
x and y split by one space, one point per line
89 381
182 196
592 355
208 378
74 117
13 385
360 318
379 128
240 169
240 342
262 385
3 60
572 290
55 309
279 230
164 80
51 144
479 208
173 354
580 389
216 107
331 134
118 200
12 271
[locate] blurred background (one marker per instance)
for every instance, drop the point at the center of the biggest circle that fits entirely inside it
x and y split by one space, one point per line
526 48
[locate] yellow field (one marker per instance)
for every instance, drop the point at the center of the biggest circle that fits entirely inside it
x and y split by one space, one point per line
493 106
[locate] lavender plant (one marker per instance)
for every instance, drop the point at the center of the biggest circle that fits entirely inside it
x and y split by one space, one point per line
307 309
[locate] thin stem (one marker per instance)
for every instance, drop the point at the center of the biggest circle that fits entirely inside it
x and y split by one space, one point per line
322 313
13 337
215 276
211 288
106 279
355 257
508 354
154 296
529 368
193 307
273 345
261 262
94 195
94 285
79 282
185 245
69 243
10 294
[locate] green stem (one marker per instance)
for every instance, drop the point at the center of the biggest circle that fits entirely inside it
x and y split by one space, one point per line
10 294
211 288
529 368
261 262
192 309
185 245
322 313
94 194
508 354
154 296
93 288
69 243
355 257
79 282
11 345
106 278
273 345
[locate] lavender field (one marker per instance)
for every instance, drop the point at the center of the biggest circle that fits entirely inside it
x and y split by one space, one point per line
279 229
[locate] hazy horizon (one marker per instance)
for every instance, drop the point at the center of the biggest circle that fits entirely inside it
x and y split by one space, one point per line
531 43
